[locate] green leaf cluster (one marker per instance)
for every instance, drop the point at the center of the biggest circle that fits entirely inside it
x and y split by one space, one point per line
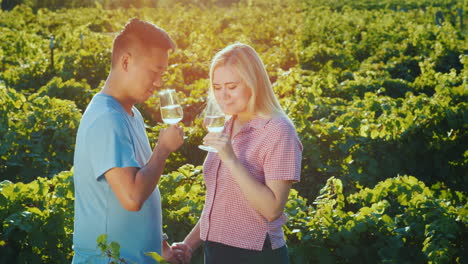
37 220
375 89
37 135
400 220
381 90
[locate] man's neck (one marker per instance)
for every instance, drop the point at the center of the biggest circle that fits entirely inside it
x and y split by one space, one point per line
111 88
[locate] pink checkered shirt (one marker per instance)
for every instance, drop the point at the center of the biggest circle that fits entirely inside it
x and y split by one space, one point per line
269 149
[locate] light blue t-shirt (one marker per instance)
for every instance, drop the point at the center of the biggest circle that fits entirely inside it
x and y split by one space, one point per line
109 137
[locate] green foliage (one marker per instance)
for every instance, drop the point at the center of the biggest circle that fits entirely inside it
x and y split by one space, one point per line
375 89
368 140
111 250
157 257
83 38
399 221
79 92
182 200
395 5
37 220
380 92
59 4
38 135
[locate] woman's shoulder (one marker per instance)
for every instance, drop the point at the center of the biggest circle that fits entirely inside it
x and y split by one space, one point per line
280 122
280 129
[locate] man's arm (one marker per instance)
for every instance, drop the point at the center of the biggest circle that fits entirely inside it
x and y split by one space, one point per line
133 186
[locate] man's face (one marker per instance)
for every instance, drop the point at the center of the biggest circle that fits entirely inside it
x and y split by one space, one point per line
145 73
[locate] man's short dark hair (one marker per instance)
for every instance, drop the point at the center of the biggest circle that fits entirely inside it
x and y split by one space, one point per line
144 34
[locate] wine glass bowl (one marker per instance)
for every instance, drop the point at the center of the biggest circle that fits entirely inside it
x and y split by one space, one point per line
171 110
213 121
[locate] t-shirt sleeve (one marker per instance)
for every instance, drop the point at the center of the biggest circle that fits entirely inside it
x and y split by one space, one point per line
283 153
109 144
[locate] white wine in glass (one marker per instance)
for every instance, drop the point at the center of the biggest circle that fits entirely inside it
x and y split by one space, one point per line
171 111
214 121
171 114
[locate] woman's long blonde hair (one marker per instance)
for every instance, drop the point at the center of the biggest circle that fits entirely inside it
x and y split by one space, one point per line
245 61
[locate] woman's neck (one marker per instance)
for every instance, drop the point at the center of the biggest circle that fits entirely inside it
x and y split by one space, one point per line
243 118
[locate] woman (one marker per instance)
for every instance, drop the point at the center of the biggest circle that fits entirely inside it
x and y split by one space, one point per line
249 179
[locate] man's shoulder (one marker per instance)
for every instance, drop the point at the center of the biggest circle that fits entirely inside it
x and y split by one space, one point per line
101 118
101 103
102 108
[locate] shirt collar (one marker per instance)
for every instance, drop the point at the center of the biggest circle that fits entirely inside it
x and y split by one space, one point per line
256 123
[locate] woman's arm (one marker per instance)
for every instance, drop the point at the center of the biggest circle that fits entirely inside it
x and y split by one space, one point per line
193 238
268 199
183 250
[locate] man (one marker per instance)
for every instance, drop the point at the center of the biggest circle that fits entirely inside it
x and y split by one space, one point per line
116 172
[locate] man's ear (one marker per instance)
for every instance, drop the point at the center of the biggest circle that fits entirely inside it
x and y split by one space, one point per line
125 60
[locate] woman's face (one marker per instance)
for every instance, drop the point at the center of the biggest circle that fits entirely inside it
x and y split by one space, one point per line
230 92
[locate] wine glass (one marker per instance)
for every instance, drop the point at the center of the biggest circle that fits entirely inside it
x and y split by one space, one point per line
171 111
213 121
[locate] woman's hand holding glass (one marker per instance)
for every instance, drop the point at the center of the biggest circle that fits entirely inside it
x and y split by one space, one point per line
214 119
